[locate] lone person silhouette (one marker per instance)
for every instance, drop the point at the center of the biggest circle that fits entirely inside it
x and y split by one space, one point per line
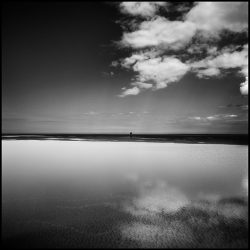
130 135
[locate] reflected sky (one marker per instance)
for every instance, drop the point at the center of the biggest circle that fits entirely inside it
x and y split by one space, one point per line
190 167
63 183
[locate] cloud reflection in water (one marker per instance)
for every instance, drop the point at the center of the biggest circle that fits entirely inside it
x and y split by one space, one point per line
165 217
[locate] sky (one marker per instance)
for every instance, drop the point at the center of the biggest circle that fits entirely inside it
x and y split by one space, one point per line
106 67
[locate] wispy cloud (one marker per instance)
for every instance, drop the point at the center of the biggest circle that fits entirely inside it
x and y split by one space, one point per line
108 74
235 106
91 113
216 117
244 107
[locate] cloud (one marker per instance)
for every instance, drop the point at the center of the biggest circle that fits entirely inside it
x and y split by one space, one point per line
231 116
208 72
114 64
160 32
244 107
216 117
129 61
221 116
244 87
160 46
156 72
235 106
131 91
196 118
108 74
144 9
212 118
91 113
213 17
210 66
142 85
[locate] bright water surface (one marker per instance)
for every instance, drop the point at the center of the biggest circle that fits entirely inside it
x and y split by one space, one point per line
81 193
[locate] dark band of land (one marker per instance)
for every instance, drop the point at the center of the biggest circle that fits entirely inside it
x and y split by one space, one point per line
236 139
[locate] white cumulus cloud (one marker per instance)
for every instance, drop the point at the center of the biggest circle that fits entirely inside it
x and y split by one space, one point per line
159 44
144 9
131 91
160 71
211 66
244 87
160 32
212 17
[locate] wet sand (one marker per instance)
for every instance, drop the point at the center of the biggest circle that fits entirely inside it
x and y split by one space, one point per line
123 194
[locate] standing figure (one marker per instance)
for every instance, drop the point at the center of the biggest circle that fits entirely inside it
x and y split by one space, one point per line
130 134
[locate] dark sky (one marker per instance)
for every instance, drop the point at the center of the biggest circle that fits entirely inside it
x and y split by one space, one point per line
58 76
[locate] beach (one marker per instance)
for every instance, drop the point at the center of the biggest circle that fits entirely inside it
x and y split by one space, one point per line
124 194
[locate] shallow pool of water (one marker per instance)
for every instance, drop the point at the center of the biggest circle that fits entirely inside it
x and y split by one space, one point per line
90 190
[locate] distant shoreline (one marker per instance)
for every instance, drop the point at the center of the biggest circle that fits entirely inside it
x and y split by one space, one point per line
235 139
